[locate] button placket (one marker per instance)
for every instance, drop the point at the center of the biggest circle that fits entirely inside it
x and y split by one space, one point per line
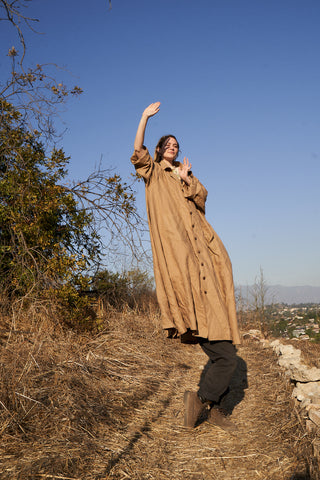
203 285
202 264
203 277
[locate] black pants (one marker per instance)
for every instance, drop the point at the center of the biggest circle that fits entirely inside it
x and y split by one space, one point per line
216 376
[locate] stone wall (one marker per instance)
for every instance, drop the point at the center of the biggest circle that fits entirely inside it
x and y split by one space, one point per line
306 382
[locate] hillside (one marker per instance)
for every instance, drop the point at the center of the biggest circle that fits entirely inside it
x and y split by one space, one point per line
109 406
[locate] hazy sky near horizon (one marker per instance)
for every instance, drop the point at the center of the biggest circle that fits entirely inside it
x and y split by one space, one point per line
239 85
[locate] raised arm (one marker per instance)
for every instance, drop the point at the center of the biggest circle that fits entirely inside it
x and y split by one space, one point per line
148 112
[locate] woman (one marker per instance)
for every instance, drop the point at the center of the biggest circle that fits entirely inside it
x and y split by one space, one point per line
192 269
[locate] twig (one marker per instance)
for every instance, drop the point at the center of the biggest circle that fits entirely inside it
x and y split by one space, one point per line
47 475
29 398
235 456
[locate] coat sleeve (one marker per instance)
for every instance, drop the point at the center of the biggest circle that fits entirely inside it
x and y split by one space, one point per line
143 165
196 192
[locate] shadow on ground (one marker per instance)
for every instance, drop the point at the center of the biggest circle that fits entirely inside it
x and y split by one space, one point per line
138 433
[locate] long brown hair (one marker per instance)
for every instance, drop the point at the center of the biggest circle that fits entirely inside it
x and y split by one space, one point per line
159 151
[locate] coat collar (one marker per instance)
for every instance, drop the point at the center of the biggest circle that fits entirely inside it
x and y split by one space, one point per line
165 165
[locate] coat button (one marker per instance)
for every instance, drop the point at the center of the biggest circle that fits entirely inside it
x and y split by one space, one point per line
202 264
205 292
192 225
195 238
203 278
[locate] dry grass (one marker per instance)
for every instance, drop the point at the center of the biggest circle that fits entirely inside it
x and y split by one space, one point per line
109 406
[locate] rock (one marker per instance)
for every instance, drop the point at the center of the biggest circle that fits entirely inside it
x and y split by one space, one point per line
303 391
286 352
264 343
316 400
302 373
290 360
306 403
314 415
275 344
310 426
253 335
313 407
255 332
316 447
307 389
289 351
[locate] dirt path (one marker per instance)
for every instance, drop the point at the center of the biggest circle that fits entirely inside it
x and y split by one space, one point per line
267 445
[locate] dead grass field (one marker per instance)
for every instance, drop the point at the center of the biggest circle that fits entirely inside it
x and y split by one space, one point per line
110 406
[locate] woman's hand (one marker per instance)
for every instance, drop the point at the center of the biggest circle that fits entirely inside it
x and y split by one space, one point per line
184 170
151 110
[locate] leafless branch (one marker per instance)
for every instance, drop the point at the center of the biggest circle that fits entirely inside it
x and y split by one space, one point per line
14 15
112 205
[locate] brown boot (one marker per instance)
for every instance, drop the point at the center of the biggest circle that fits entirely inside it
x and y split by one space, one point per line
218 417
193 408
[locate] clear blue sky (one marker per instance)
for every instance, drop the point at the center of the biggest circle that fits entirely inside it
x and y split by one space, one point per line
239 86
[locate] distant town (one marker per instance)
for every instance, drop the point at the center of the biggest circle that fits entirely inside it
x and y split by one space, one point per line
294 321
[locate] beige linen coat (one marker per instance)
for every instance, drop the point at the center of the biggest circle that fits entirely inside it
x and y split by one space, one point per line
192 269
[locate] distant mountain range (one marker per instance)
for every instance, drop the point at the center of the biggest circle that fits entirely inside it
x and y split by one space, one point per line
289 295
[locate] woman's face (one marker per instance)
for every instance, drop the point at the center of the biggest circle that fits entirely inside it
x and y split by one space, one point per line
171 149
